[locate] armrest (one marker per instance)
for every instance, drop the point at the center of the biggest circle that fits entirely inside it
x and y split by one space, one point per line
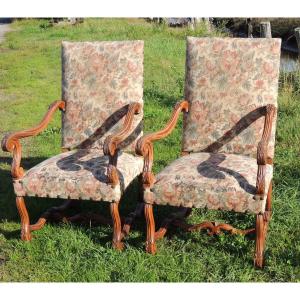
262 150
11 142
144 145
112 143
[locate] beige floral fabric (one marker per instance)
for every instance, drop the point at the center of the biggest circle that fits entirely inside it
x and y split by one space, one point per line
99 80
212 180
80 175
227 81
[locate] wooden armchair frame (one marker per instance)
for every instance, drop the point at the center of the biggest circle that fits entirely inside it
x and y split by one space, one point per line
145 148
11 143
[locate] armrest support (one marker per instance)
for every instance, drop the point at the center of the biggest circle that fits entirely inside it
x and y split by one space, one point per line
112 143
144 145
262 150
11 142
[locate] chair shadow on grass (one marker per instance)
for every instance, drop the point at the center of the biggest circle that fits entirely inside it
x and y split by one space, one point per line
161 98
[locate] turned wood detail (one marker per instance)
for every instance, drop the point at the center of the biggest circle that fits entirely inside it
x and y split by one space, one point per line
144 145
25 222
260 239
214 228
150 227
174 218
117 234
57 214
112 143
262 151
261 228
53 213
11 142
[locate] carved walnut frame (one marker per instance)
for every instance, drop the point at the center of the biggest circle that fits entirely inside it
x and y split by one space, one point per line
11 143
145 148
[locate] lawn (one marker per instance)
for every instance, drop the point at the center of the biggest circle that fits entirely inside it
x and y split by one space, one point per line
30 79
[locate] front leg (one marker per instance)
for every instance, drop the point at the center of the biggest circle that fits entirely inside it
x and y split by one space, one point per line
262 222
117 235
144 147
260 239
150 243
25 223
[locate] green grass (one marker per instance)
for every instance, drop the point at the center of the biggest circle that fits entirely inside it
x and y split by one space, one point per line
30 79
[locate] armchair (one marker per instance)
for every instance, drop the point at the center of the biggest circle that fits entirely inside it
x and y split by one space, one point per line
228 139
102 84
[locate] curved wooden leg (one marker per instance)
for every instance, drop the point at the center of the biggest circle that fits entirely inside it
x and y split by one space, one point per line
117 235
25 223
259 241
150 243
175 218
54 213
262 222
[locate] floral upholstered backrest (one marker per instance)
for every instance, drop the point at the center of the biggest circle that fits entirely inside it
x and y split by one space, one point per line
228 80
99 80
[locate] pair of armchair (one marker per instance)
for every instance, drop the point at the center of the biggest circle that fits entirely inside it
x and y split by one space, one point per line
227 143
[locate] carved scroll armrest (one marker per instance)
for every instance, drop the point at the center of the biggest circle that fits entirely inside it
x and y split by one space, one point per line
112 143
262 151
11 142
144 145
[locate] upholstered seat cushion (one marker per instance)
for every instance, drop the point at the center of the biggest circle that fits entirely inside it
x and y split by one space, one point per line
80 175
212 180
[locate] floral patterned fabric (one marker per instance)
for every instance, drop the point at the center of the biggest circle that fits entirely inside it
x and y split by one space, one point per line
212 180
227 81
80 175
99 80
